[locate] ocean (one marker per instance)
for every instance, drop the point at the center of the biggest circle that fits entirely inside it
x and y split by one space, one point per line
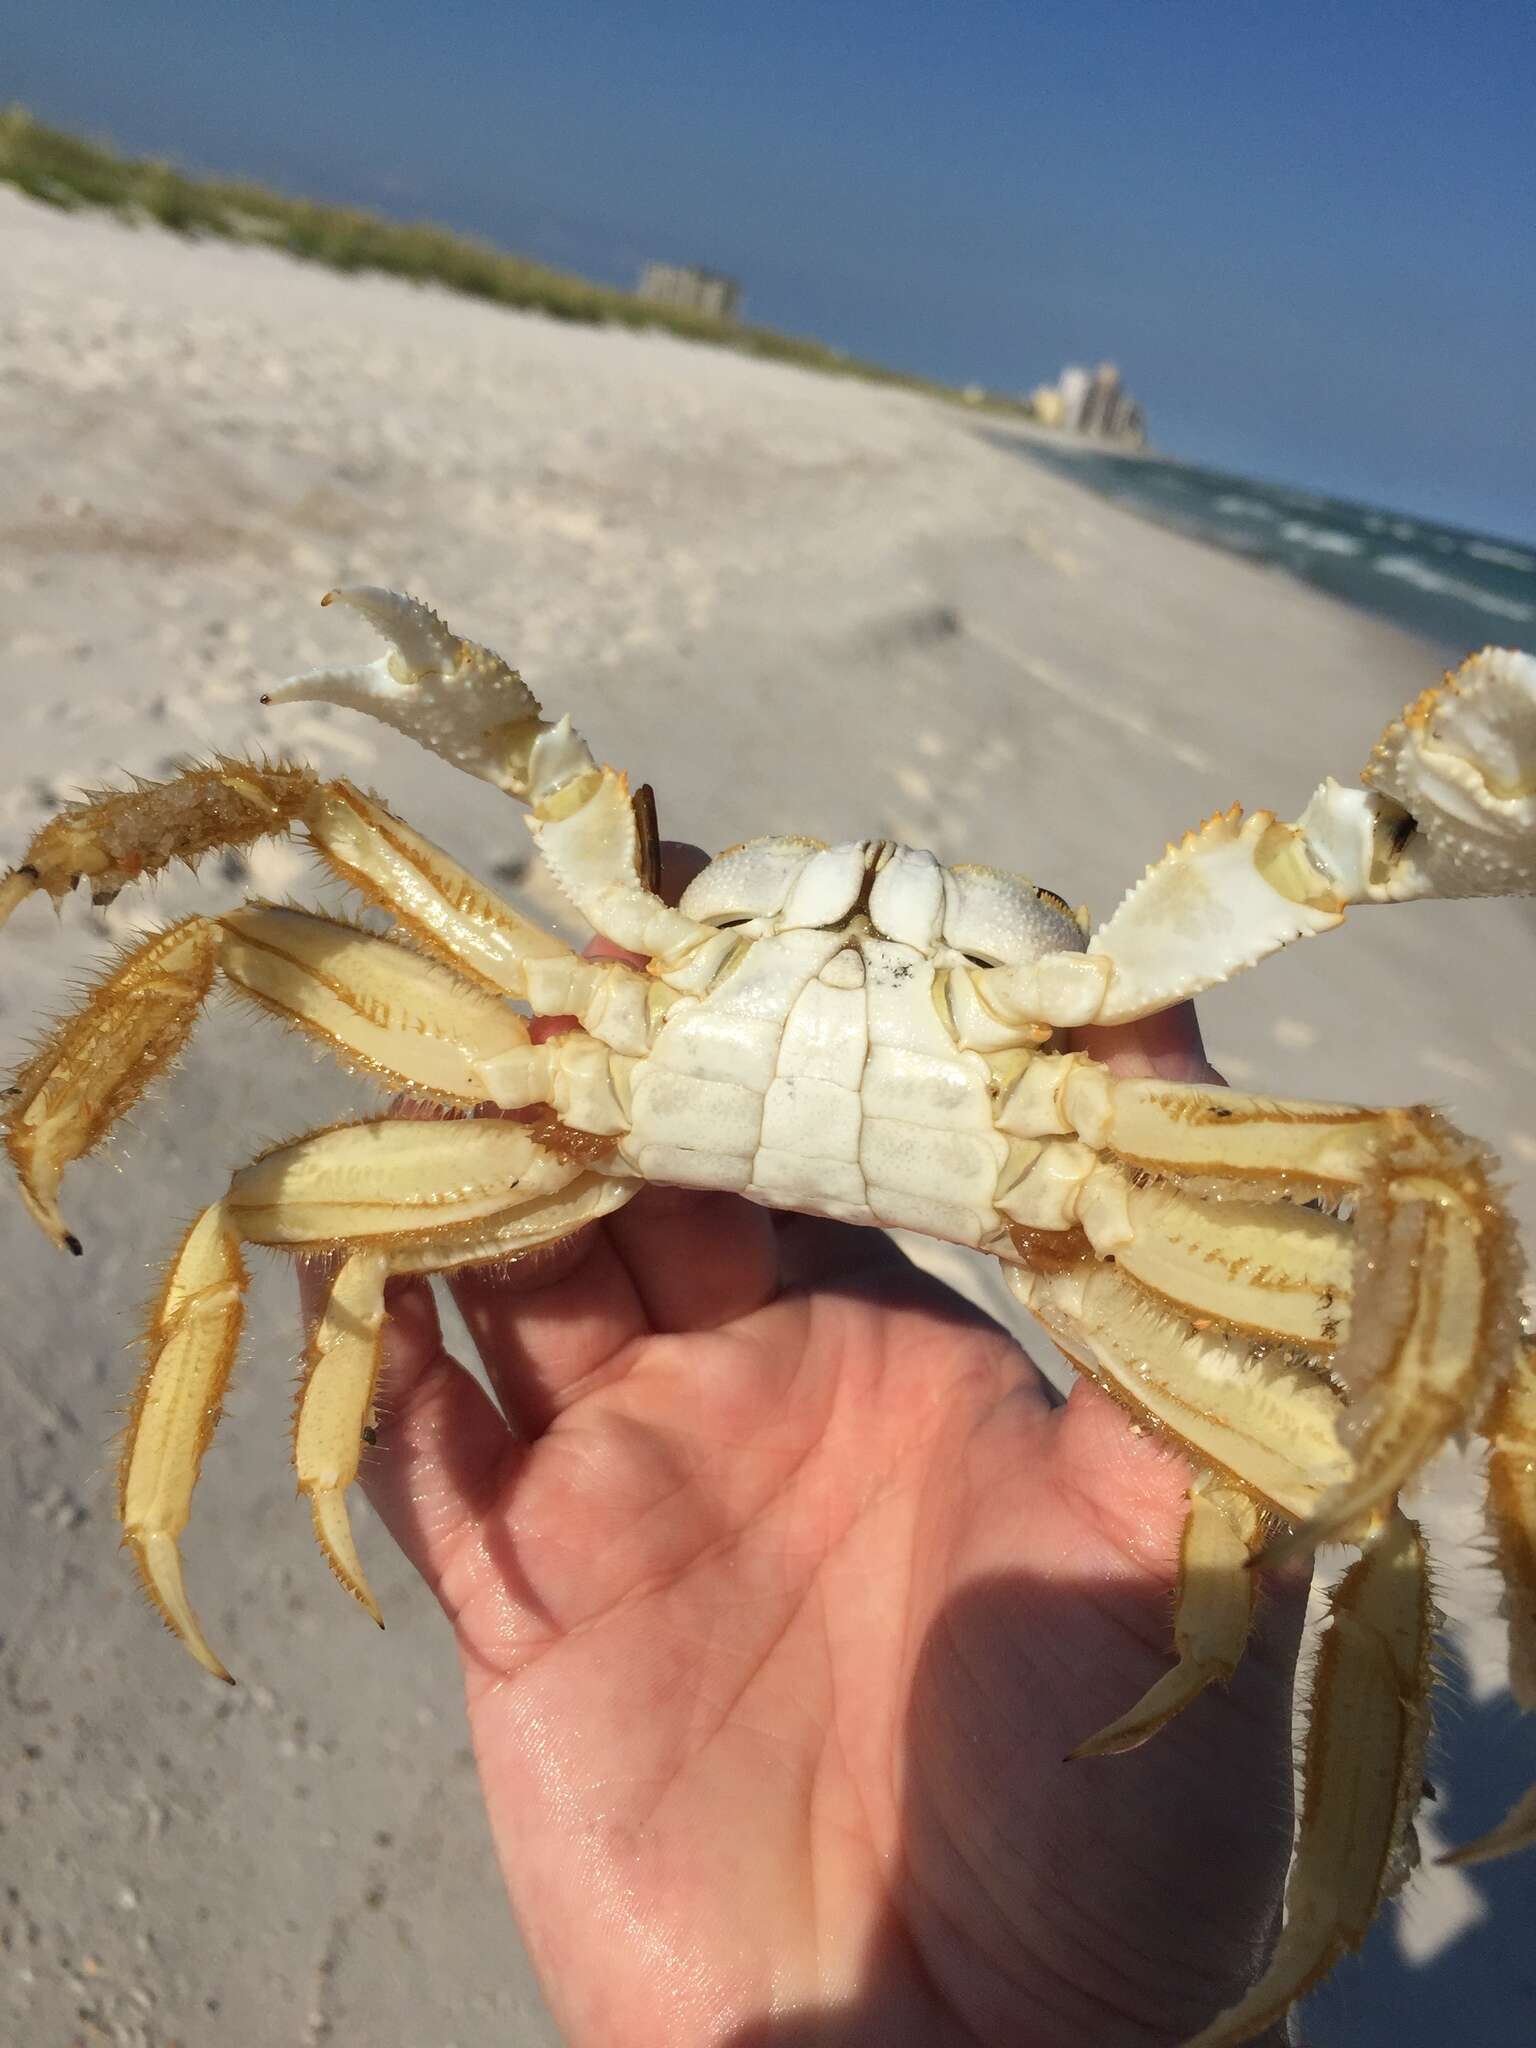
1461 590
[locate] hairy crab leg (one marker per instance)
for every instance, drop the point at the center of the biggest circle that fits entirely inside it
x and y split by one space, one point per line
390 1180
1258 1414
397 1197
342 1366
467 704
97 1062
416 1025
118 837
1264 1269
1361 1777
1436 1274
1213 1615
190 1341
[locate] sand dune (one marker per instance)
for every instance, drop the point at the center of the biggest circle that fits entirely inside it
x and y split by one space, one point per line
790 603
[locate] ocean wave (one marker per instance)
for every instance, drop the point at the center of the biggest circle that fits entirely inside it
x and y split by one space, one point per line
1245 508
1504 558
1409 569
1323 538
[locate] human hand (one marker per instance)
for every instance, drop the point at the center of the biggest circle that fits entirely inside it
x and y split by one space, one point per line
782 1588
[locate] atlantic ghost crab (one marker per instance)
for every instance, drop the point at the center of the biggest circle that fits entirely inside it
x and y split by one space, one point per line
1311 1298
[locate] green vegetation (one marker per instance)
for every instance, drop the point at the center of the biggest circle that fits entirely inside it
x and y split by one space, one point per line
67 171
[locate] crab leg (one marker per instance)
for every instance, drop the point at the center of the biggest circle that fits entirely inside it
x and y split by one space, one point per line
336 1398
131 835
190 1340
399 1197
1214 1613
99 1061
1361 1777
411 1022
1252 1412
467 704
1268 1270
1433 1292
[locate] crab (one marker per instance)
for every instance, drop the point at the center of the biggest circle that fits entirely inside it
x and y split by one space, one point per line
1309 1298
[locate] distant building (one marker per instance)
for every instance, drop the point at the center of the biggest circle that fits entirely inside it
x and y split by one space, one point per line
1097 405
695 290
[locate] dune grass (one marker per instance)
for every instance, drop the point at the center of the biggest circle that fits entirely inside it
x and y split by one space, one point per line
68 171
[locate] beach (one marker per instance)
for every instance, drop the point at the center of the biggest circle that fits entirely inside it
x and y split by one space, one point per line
790 603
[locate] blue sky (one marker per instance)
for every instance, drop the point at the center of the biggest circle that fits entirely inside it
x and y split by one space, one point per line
1306 232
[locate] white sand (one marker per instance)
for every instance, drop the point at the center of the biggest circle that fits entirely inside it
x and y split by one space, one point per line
790 603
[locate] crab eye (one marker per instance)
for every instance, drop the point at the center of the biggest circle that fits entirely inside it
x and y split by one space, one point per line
983 960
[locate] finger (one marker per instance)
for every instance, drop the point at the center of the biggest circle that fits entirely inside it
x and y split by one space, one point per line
551 1326
1168 1045
696 1260
547 1320
441 1453
681 861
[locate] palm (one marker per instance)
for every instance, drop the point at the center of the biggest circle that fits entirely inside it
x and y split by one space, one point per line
779 1614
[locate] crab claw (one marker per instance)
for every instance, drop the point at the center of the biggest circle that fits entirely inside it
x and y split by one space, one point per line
1462 763
451 695
1449 810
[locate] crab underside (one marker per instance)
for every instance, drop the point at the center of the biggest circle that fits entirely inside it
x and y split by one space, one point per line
1310 1298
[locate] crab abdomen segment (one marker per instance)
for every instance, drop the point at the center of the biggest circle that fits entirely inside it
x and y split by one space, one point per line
820 1076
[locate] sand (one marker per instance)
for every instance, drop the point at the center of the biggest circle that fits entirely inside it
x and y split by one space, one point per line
791 603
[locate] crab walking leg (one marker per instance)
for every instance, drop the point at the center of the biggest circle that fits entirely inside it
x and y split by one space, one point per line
1258 1415
191 1339
1213 1616
332 1415
1265 1269
439 903
1434 1287
414 1023
391 1182
409 1021
1361 1777
1450 811
400 1198
336 1399
131 835
97 1062
467 704
118 836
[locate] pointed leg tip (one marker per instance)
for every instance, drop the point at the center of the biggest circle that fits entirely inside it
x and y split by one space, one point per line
333 1531
159 1564
1116 1740
45 1214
